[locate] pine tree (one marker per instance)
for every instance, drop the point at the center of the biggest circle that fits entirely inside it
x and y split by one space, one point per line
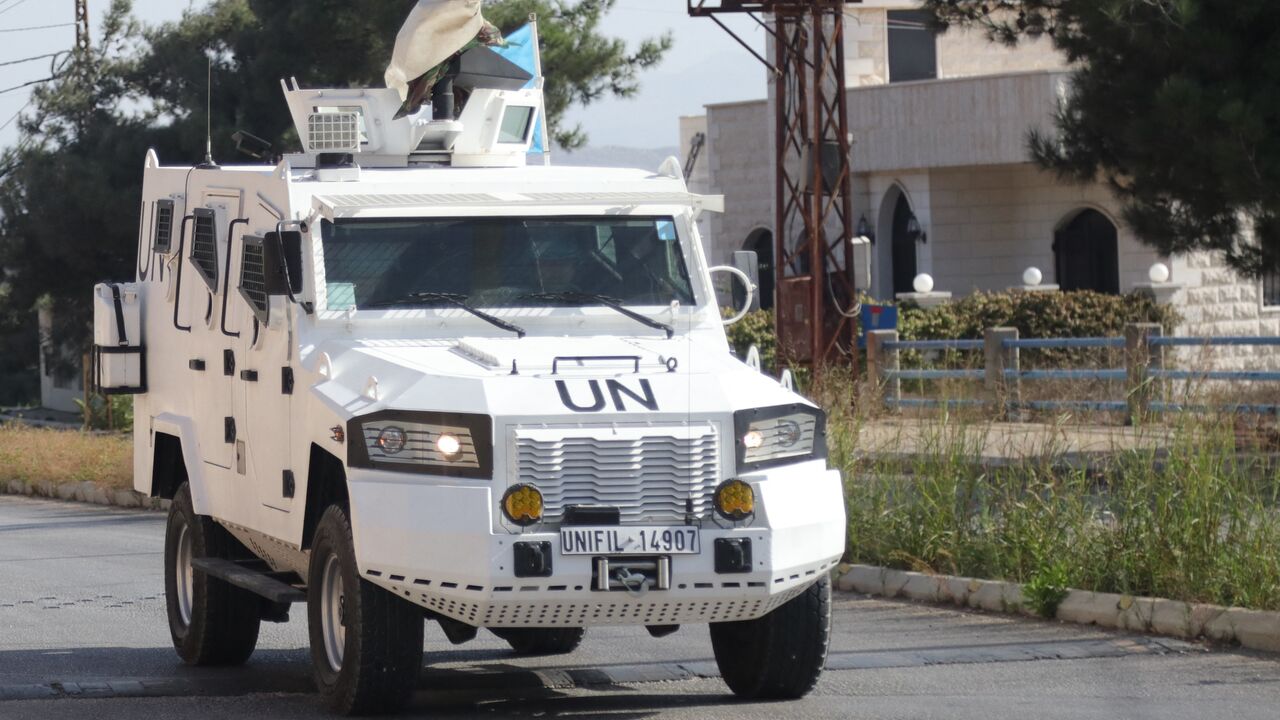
1174 103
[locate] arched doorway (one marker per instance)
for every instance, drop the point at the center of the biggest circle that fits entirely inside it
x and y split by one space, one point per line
904 247
1086 254
761 243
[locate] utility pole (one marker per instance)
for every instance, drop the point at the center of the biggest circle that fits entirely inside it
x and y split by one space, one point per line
82 26
813 253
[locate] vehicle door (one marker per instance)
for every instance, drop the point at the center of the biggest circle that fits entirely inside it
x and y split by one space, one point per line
212 354
264 317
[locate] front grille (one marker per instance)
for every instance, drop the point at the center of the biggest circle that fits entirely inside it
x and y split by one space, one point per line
651 474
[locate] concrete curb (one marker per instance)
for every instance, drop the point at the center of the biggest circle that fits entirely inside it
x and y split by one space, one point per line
1253 629
84 492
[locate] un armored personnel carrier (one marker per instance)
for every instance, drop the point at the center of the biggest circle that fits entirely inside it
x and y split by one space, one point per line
404 377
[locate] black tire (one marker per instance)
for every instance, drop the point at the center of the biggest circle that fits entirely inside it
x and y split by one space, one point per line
381 637
541 641
212 622
781 655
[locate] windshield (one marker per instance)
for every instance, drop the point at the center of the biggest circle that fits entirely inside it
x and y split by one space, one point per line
497 262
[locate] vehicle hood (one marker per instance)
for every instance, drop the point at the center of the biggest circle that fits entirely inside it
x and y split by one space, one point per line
545 378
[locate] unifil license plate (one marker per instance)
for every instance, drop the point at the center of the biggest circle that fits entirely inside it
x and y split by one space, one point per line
629 541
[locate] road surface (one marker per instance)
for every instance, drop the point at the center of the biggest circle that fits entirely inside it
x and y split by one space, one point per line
83 635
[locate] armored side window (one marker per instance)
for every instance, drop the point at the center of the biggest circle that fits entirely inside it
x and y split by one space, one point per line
204 247
162 237
253 278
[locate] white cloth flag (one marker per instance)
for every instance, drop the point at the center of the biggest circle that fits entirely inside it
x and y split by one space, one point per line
435 30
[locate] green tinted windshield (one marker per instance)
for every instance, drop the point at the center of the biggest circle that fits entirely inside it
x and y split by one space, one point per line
497 262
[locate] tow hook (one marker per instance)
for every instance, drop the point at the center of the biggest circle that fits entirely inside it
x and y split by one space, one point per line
636 584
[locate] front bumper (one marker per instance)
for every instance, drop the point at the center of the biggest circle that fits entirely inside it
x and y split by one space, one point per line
433 545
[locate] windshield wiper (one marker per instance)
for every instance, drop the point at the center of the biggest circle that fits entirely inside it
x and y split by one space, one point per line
454 299
572 297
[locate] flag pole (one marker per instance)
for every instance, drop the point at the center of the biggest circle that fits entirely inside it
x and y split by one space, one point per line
542 83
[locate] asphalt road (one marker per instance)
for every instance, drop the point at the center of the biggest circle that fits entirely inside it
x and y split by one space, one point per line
83 635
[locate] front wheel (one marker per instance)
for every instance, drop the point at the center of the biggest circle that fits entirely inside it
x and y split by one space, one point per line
541 641
211 621
781 655
366 643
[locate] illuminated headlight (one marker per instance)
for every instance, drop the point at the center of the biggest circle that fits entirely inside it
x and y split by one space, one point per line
450 444
779 435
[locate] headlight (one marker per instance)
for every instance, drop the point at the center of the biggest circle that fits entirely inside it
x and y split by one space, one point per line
779 435
451 444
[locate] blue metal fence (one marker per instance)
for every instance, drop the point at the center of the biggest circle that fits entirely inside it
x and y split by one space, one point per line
1143 346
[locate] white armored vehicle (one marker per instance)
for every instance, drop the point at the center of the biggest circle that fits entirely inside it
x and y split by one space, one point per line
402 376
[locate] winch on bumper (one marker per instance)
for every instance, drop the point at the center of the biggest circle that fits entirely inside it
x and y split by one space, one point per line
433 544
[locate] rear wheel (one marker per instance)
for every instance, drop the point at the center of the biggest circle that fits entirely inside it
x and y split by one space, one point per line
211 622
541 641
781 655
366 643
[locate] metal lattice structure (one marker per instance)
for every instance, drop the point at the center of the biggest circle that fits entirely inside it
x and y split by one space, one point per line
814 202
82 25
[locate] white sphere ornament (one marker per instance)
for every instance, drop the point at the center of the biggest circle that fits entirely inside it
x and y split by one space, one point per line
1032 277
923 283
1159 273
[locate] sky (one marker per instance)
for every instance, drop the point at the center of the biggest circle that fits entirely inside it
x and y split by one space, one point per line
705 65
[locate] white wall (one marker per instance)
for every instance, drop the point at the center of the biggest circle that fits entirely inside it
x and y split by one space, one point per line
740 161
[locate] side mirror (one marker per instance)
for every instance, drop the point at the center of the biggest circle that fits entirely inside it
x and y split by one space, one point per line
270 267
284 267
746 283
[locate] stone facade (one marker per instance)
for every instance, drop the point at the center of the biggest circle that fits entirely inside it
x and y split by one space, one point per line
1214 301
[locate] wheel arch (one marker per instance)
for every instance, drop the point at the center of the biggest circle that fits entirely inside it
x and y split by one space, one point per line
175 458
326 485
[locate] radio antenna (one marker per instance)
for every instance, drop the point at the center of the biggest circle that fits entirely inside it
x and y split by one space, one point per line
208 118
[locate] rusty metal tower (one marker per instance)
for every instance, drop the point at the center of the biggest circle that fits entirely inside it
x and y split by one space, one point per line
814 225
82 26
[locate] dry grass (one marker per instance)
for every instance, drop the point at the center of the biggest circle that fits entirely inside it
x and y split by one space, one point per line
58 456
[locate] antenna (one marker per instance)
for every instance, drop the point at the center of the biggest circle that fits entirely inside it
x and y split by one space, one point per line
208 118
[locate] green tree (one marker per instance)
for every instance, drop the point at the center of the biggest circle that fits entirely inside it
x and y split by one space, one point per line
256 43
69 191
69 195
1174 103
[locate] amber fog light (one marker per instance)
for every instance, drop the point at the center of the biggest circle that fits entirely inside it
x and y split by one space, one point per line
523 505
735 500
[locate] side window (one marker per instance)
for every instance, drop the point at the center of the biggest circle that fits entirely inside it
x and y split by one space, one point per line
162 237
204 247
253 278
913 47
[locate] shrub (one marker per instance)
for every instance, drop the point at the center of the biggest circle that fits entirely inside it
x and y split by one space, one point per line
1035 315
755 329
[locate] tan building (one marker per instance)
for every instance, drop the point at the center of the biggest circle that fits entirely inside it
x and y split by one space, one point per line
944 182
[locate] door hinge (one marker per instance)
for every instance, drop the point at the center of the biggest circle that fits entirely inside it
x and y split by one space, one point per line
229 362
249 375
229 430
287 487
286 380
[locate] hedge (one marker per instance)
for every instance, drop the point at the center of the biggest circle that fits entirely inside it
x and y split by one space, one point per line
1035 315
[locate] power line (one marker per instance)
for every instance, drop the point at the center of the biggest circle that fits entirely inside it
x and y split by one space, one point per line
28 84
30 59
21 110
36 27
12 6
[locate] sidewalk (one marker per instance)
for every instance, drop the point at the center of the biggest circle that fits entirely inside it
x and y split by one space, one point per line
998 443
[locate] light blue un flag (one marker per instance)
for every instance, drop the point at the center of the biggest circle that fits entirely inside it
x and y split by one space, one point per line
522 49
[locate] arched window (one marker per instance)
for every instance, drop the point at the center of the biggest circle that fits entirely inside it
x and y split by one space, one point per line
1086 254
